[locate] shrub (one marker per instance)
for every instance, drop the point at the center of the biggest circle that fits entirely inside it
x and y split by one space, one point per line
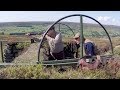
39 72
23 45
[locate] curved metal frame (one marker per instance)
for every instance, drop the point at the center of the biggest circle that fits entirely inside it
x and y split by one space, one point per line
81 15
67 26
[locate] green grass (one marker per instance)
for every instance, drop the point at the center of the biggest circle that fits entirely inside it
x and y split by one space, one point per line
15 29
89 30
40 72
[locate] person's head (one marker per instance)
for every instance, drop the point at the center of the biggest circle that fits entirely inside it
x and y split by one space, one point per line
51 31
77 38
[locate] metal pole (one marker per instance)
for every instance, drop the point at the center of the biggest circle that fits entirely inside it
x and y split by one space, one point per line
1 51
59 27
68 27
40 44
81 37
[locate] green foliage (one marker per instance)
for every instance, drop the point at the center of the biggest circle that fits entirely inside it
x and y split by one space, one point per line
117 51
22 72
23 45
89 29
39 72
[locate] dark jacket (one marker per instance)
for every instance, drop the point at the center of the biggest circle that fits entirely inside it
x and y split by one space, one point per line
71 50
89 48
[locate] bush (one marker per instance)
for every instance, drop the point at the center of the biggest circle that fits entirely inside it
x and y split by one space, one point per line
23 45
117 51
39 72
21 72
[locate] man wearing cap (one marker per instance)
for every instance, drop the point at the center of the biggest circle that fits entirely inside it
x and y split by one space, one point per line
71 49
87 62
89 46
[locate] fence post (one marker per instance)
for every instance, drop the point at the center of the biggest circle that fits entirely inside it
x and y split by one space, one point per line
59 27
1 51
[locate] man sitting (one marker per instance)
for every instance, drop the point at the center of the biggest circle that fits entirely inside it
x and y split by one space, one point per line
90 49
71 49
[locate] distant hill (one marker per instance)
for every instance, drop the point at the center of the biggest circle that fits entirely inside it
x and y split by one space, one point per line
48 23
23 27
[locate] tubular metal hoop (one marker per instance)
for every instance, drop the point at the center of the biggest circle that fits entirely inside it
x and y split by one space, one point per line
67 26
72 16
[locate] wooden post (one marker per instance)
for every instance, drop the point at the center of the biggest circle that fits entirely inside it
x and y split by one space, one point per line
1 51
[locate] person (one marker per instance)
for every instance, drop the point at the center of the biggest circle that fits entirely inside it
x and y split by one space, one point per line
89 46
90 49
71 49
53 45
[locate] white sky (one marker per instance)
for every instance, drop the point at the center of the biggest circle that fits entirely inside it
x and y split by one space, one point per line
104 17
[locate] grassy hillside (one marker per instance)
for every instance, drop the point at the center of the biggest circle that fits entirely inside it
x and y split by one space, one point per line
89 29
30 53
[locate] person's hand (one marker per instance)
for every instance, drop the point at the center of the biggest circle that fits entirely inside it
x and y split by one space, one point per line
78 42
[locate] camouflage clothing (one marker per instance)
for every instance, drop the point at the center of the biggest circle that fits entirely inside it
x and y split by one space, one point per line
71 50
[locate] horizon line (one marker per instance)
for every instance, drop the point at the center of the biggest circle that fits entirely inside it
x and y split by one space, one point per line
55 21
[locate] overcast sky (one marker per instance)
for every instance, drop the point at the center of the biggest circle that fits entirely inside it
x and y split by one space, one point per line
104 17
